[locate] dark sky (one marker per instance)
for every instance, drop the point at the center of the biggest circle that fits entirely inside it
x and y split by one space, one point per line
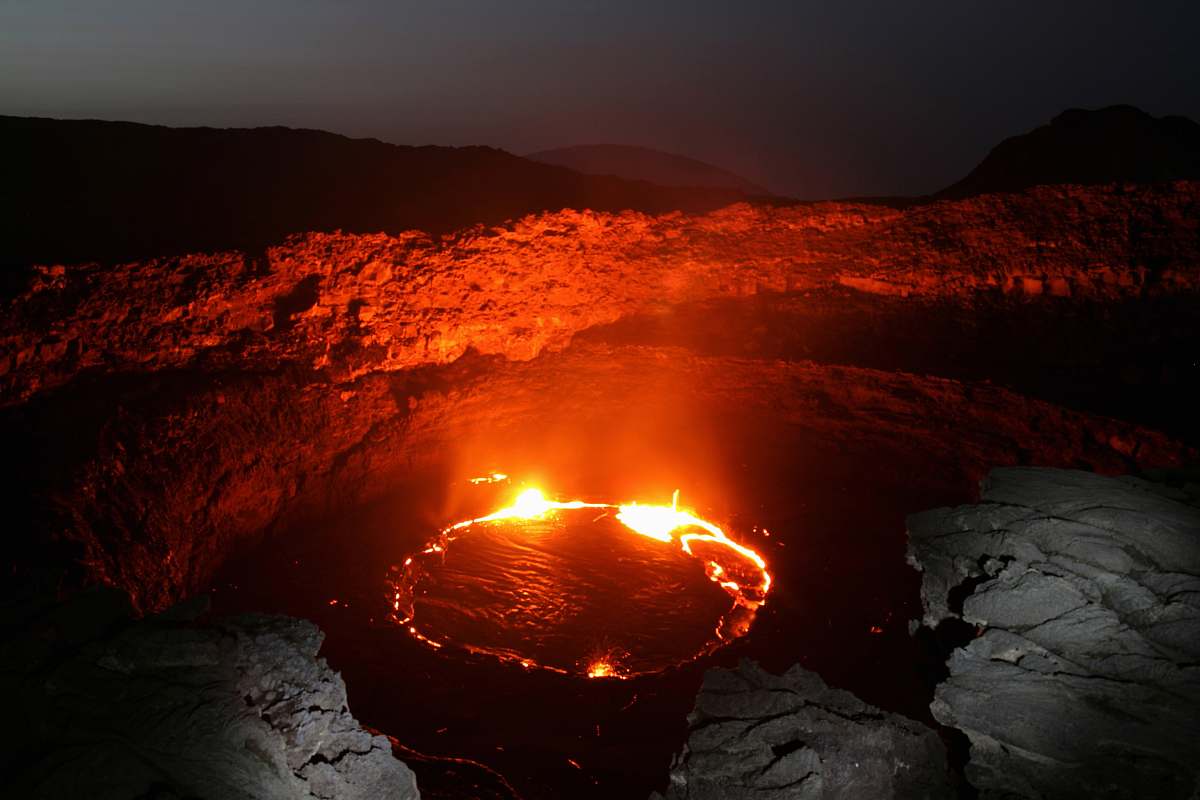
815 99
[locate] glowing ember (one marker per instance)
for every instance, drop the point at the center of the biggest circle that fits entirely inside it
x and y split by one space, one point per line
495 477
738 570
601 669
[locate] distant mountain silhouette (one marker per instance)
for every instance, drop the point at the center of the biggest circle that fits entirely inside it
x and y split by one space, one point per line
1119 143
644 164
93 190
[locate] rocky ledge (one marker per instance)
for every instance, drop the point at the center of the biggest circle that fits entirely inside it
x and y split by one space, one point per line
345 306
1081 676
101 706
758 735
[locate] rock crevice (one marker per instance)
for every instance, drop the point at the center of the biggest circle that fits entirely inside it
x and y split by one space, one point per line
1083 678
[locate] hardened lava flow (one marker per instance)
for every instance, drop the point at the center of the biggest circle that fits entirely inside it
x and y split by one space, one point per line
538 538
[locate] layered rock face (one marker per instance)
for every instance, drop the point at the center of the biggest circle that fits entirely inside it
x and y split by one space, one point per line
791 737
342 306
103 707
179 475
1081 679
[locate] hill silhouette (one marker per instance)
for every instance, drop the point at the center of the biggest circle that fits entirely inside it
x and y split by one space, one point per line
645 164
78 190
1114 144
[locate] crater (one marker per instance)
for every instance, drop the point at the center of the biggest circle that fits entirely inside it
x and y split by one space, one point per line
723 356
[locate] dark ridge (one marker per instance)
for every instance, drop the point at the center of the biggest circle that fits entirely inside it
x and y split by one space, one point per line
645 164
1117 144
87 190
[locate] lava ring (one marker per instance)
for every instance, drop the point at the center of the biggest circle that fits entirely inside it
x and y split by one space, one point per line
558 585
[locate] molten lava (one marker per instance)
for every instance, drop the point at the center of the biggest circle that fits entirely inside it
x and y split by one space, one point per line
601 669
530 525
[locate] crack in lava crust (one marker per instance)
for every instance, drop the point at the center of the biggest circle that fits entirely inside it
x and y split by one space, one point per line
525 554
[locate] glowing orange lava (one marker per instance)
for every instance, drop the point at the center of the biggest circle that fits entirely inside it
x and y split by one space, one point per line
601 669
737 569
495 477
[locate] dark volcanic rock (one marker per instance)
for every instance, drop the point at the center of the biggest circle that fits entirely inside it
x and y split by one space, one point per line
757 735
102 707
1082 678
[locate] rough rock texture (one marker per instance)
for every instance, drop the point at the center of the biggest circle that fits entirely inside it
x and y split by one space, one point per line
348 305
757 735
102 707
172 477
1083 677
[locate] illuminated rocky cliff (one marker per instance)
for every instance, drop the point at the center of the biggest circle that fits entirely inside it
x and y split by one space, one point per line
174 406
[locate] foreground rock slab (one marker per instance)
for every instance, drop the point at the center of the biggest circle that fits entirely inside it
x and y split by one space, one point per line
102 707
758 735
1083 676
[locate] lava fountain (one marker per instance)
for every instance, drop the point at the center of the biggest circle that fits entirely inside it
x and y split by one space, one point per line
595 589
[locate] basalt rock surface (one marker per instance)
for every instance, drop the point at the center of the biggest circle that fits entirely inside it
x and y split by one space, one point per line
103 707
346 305
1082 676
791 737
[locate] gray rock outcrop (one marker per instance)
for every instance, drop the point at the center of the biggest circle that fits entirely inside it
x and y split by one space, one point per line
1083 676
769 737
166 707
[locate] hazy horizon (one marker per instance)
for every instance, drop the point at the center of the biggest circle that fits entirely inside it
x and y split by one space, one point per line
807 100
